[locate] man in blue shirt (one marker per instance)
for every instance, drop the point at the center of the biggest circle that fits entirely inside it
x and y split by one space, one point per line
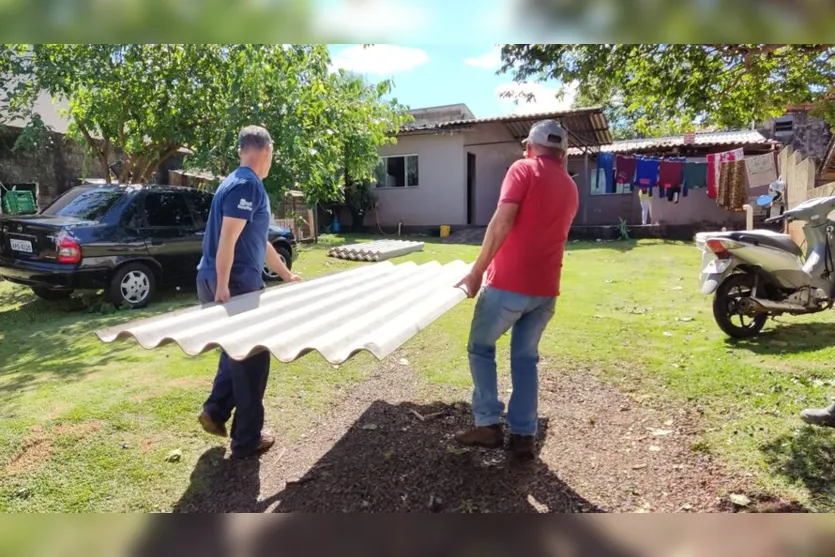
235 247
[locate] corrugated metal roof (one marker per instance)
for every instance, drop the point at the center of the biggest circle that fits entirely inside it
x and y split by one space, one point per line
379 250
738 137
586 126
374 307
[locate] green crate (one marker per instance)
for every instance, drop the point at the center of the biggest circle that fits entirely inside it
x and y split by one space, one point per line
19 203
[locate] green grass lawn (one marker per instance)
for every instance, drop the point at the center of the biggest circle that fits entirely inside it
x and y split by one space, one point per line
86 426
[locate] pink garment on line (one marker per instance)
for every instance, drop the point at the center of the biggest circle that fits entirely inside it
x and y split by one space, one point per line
713 166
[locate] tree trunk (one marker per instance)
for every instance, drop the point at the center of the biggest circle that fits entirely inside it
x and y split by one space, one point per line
154 163
357 221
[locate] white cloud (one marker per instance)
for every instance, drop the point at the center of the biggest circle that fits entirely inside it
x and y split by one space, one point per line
489 61
544 98
372 20
379 59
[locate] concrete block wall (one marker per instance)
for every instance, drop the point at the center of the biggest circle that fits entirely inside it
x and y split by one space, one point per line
56 168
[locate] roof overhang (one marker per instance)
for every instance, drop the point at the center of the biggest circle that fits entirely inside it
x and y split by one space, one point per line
586 127
729 139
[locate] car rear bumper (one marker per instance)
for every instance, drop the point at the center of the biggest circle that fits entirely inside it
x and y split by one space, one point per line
52 275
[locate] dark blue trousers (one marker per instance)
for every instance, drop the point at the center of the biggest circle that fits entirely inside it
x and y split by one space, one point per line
238 385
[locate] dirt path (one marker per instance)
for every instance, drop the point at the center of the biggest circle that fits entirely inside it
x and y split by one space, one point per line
387 448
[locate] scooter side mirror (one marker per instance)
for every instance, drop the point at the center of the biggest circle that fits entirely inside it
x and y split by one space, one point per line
765 201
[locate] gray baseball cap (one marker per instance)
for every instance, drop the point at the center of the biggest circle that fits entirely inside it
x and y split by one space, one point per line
547 133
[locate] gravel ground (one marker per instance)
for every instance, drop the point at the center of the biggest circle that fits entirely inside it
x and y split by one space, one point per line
387 448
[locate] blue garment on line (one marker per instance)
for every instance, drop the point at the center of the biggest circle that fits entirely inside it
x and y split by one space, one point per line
606 162
646 173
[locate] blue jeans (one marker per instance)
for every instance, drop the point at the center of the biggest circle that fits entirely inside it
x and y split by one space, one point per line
238 386
496 312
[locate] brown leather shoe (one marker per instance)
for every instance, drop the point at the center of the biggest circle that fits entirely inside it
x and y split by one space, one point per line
522 446
210 426
266 443
488 437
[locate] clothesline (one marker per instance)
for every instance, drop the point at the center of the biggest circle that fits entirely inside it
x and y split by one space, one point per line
726 176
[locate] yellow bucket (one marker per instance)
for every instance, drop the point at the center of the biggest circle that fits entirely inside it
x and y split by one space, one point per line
444 230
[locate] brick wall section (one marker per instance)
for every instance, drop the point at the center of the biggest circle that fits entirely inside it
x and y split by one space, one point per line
55 169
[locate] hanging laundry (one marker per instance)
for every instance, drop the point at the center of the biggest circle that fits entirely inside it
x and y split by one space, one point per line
646 172
606 163
695 175
624 170
671 178
713 162
670 174
732 188
761 170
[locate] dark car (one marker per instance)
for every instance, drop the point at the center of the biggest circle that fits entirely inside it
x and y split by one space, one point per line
126 240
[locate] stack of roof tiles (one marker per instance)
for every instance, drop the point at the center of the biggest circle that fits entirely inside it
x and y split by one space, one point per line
379 250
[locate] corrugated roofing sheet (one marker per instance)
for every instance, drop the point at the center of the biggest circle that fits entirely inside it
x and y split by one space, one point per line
374 307
379 250
586 126
739 137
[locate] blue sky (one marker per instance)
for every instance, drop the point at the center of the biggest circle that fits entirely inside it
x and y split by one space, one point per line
432 75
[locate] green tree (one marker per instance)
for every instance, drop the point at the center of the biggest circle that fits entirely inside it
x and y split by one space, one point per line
626 124
723 85
630 21
148 101
107 21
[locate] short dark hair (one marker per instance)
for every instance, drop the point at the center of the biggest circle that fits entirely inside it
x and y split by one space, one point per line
254 136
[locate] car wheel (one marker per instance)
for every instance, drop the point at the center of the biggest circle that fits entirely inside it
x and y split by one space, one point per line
50 294
271 276
133 286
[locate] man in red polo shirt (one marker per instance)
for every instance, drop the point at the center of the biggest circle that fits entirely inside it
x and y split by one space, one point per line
522 255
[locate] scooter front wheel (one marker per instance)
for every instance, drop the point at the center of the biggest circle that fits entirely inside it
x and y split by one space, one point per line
727 312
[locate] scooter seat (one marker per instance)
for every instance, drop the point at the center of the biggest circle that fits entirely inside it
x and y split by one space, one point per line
782 242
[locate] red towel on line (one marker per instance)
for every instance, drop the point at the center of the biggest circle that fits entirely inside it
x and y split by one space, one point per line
624 170
713 166
670 174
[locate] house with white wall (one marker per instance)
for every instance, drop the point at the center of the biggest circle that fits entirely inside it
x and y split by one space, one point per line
447 166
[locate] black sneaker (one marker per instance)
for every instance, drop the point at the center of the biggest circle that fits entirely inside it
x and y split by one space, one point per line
819 416
522 446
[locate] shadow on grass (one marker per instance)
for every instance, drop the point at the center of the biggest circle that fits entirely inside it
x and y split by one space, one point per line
238 480
806 458
47 340
389 460
789 338
615 245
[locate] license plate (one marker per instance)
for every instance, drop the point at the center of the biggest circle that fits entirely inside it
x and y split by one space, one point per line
21 245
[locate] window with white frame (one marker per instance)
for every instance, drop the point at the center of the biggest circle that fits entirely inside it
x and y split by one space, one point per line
597 181
400 171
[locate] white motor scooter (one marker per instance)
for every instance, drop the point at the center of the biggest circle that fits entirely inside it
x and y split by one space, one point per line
757 274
